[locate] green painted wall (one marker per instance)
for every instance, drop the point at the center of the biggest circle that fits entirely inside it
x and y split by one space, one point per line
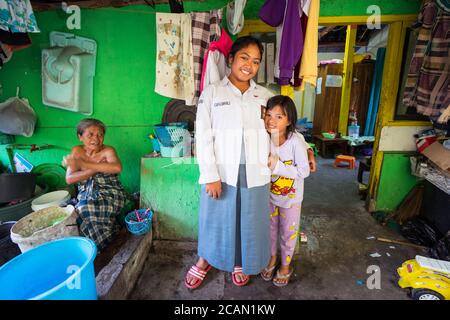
396 181
172 190
123 86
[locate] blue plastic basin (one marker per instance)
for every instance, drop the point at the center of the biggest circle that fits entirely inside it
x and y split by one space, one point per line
62 269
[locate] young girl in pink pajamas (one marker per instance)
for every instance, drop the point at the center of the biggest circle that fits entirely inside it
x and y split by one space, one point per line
289 164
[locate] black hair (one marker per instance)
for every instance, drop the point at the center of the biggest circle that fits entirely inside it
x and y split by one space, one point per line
244 42
89 122
288 107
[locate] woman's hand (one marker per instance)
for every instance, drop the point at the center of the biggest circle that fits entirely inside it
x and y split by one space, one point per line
72 162
214 189
273 159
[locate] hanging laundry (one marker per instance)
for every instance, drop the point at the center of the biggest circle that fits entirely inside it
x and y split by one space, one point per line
176 6
427 85
235 16
296 81
174 57
286 16
17 16
215 66
308 66
205 28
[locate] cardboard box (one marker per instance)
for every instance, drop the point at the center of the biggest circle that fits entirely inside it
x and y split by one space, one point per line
440 155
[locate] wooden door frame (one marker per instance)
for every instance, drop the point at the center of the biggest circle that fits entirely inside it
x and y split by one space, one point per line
390 80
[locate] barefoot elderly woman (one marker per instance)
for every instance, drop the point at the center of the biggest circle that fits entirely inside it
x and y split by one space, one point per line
94 167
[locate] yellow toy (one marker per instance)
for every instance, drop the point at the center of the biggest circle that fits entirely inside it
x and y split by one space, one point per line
428 279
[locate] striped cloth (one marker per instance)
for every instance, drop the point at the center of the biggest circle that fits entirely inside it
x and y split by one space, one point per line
427 85
205 29
100 199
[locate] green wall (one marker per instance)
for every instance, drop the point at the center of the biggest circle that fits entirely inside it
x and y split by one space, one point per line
396 181
172 190
125 74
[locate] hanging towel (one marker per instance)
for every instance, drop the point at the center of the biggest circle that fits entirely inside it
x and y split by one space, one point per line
427 85
235 16
17 16
308 66
215 66
174 58
286 16
296 81
205 28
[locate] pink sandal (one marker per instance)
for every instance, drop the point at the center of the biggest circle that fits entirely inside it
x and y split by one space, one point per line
238 270
198 273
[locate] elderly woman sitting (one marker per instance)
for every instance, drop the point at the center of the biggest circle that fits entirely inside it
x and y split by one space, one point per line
95 168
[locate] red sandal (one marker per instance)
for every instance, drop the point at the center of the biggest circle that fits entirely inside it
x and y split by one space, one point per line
238 270
198 273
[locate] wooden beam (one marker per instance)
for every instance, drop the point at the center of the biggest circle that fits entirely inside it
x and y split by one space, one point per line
347 78
91 4
389 88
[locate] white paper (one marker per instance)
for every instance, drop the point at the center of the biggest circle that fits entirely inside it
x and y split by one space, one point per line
270 61
333 81
261 76
319 86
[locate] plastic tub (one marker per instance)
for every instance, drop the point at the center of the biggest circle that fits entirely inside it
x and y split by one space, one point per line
51 199
58 270
45 225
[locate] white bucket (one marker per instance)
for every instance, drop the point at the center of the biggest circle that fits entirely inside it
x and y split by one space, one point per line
51 199
44 225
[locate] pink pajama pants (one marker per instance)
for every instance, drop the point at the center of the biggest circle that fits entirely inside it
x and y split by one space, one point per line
284 224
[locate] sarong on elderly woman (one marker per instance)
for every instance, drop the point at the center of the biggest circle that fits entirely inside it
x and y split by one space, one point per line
100 200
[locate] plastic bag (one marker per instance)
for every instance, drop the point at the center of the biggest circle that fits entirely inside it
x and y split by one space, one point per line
421 232
441 250
17 117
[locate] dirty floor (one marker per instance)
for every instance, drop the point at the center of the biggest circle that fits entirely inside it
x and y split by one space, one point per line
333 264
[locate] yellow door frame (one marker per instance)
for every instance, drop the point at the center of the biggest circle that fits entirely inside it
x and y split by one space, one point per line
347 77
390 79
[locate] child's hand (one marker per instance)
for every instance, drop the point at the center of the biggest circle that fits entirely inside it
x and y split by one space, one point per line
273 159
311 160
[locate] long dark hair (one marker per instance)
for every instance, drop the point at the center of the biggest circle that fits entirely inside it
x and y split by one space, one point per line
288 107
244 42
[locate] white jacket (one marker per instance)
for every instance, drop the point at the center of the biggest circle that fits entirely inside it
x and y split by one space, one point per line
224 117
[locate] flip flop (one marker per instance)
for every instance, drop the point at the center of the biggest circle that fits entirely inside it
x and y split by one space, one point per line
269 271
198 273
283 277
238 270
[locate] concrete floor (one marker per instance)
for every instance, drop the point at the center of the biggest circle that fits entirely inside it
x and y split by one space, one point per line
331 265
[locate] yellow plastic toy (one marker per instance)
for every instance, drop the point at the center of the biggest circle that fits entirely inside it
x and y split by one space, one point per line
428 279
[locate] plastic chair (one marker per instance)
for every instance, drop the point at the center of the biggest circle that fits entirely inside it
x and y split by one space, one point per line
351 161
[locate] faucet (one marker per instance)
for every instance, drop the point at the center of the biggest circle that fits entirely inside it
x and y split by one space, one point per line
33 147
